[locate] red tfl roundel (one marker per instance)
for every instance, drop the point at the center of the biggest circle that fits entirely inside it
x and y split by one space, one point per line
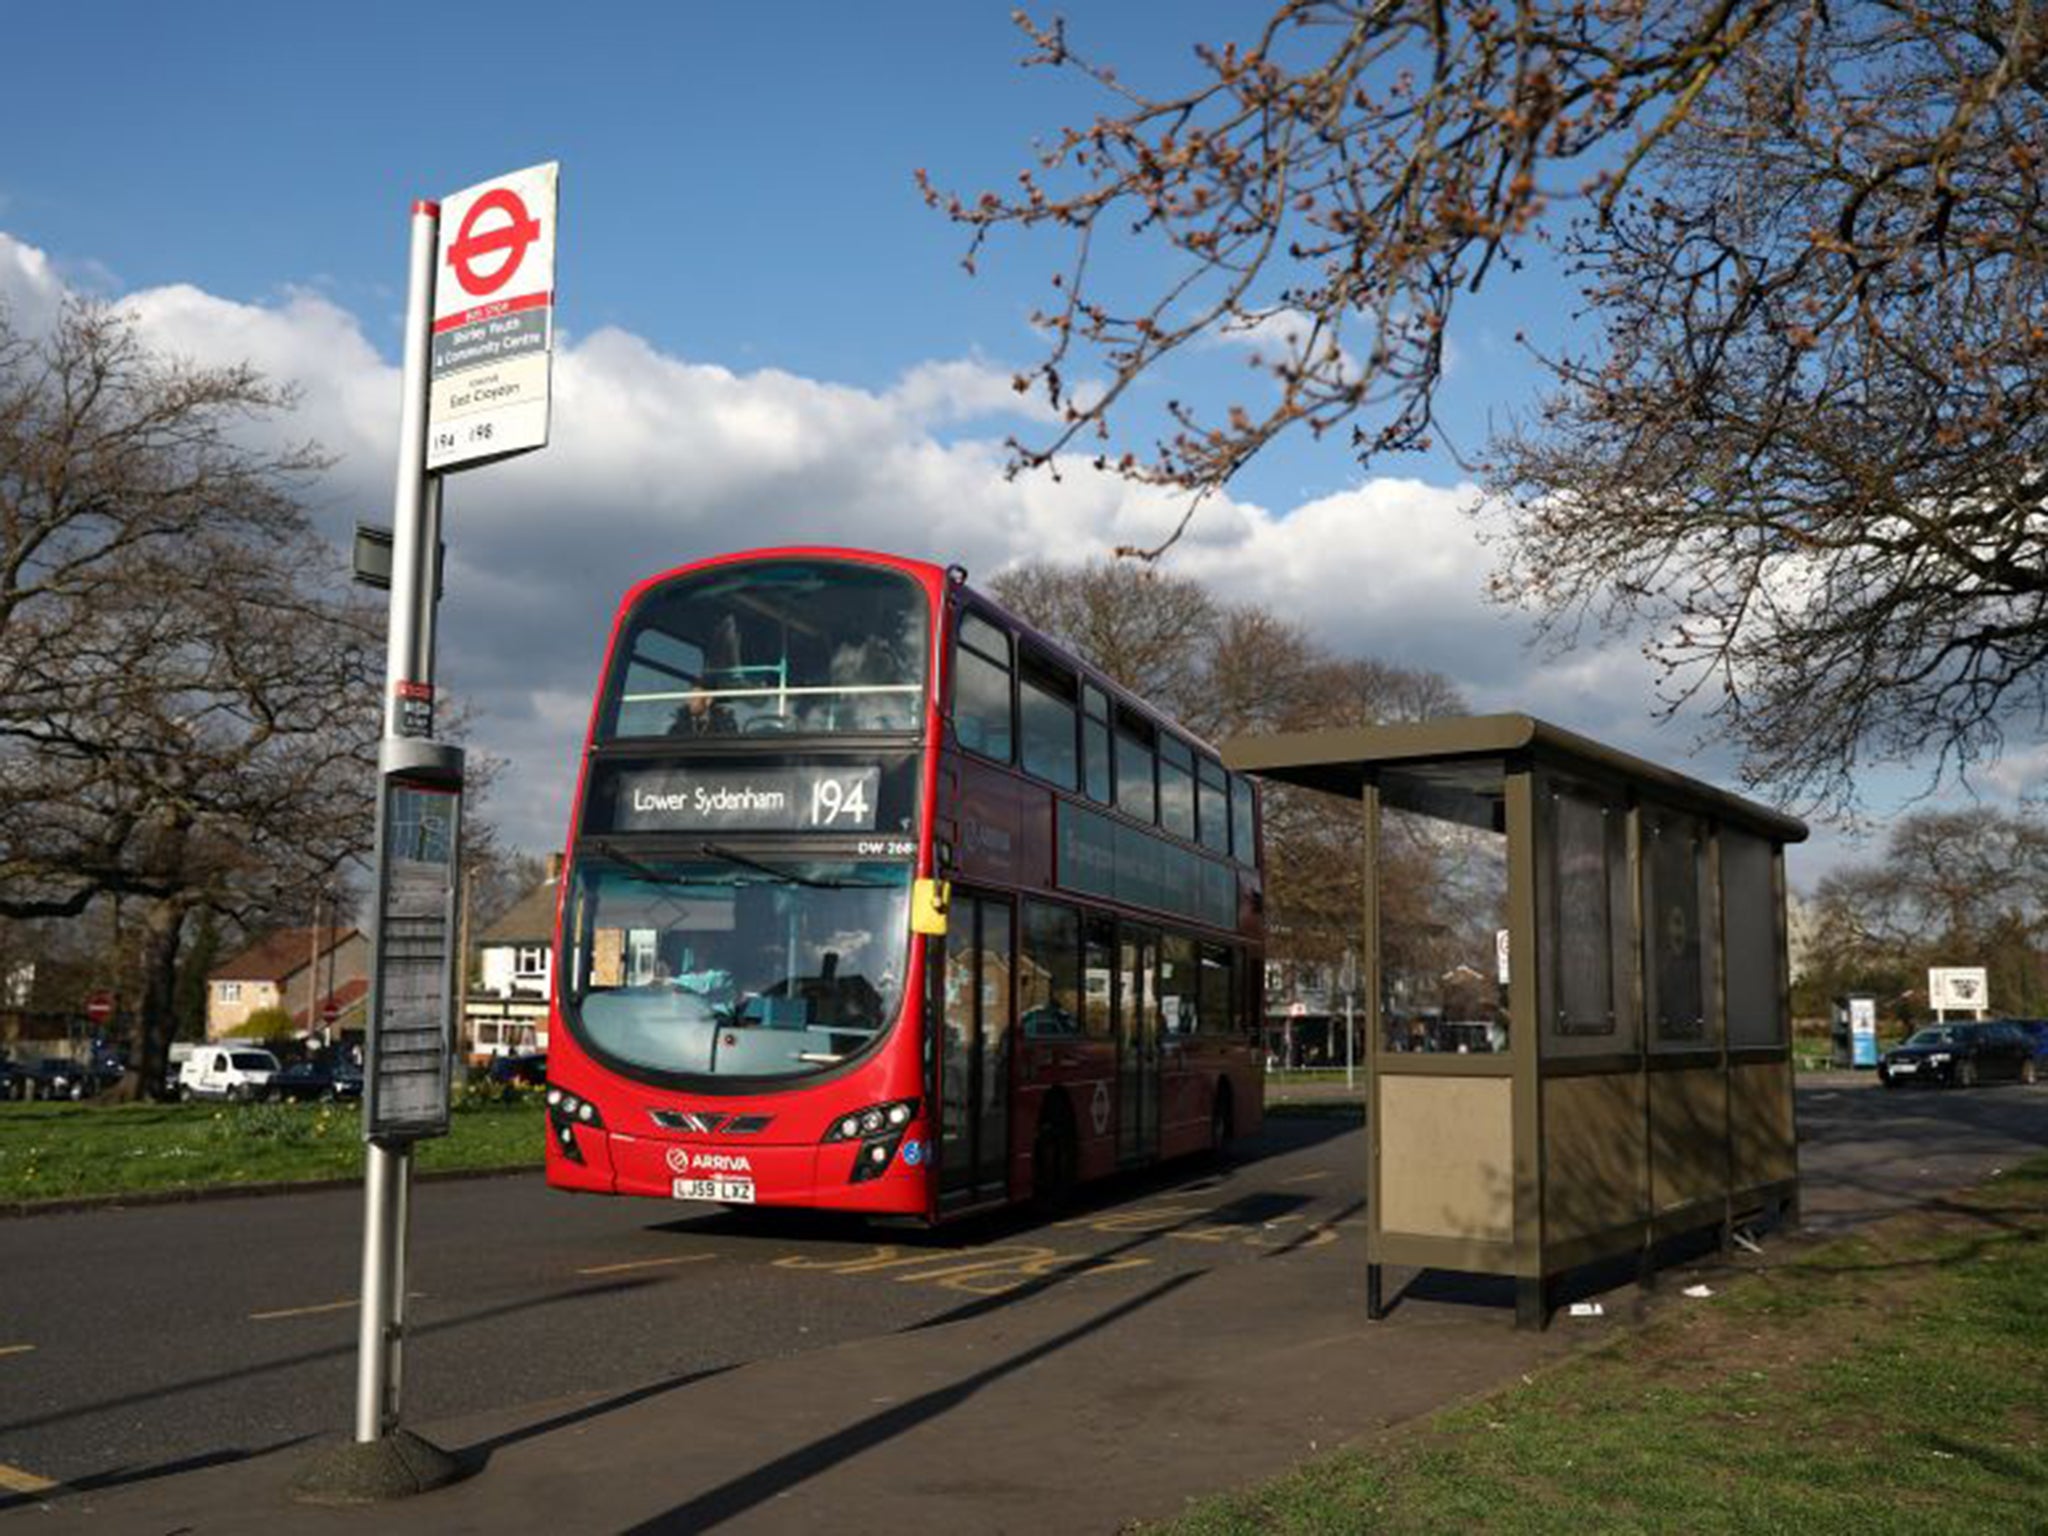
507 240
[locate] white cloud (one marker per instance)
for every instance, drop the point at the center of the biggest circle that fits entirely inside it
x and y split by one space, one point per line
658 459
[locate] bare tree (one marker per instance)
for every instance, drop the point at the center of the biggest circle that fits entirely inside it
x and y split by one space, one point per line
1803 451
1965 887
1230 669
189 710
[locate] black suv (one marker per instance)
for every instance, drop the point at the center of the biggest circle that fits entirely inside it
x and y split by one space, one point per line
1960 1056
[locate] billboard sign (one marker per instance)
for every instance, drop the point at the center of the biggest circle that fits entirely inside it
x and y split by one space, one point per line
1958 988
494 320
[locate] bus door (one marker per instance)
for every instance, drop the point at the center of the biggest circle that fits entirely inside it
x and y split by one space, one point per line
1137 1044
974 1052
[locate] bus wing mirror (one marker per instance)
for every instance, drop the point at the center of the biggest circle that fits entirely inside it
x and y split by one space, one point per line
929 900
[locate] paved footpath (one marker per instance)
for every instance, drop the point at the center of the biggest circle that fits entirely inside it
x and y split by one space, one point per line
1102 1397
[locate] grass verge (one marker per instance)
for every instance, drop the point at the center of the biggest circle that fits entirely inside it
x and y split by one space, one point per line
1892 1381
68 1151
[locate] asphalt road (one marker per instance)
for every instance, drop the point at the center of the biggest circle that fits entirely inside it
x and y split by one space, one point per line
136 1341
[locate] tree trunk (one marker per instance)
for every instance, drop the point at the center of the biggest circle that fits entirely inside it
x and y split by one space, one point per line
163 930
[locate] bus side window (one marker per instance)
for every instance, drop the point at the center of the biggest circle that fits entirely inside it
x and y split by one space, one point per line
1137 793
1049 972
1098 965
1095 765
1179 988
1243 838
981 689
1046 719
1212 805
1177 787
1219 1016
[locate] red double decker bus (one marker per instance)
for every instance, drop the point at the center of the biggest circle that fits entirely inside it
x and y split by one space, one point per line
875 900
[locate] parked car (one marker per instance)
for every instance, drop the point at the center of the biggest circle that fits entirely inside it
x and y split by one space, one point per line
227 1072
317 1080
2036 1031
1959 1056
57 1077
528 1069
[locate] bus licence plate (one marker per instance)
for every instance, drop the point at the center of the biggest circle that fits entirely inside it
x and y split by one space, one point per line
728 1190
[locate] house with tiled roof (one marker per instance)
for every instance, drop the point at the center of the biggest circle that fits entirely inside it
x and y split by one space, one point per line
507 1007
320 976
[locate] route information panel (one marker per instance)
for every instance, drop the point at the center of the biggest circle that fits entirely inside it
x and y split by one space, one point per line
411 1046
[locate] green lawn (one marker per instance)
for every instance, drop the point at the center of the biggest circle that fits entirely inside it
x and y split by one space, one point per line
62 1151
1896 1381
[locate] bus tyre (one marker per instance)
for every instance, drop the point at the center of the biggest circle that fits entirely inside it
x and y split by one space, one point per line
1053 1156
1222 1125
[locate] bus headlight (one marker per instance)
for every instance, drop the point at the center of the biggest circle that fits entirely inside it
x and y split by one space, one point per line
879 1129
873 1120
566 1111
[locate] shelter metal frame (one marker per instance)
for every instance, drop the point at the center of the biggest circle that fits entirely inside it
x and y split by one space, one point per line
1588 1137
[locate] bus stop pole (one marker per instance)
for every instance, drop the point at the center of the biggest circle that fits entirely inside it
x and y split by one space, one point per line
408 658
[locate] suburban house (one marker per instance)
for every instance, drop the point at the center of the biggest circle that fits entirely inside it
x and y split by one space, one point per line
320 976
507 1006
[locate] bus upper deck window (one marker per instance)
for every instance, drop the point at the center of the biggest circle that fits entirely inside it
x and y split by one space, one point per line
1096 773
1137 794
981 689
1177 787
1046 719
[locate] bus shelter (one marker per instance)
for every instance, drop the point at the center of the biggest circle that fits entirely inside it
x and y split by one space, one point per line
1575 967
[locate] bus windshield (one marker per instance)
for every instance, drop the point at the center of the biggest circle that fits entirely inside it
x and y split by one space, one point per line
728 964
783 646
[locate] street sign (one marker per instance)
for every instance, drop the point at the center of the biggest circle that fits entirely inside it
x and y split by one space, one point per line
493 330
100 1007
329 1011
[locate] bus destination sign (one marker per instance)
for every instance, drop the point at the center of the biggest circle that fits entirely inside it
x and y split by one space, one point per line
746 799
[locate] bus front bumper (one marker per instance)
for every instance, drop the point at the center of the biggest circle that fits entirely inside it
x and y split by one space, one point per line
813 1175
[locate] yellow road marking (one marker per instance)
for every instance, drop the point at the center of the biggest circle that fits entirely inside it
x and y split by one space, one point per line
613 1269
15 1349
325 1306
14 1480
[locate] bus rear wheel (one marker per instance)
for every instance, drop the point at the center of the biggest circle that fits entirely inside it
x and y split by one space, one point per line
1222 1125
1053 1156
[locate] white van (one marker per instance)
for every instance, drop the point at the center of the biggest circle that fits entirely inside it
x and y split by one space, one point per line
227 1072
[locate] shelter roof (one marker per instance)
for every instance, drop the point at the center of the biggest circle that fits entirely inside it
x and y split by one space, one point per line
1446 767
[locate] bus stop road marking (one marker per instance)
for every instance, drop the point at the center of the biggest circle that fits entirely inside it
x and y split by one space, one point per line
985 1272
614 1269
316 1310
325 1306
15 1480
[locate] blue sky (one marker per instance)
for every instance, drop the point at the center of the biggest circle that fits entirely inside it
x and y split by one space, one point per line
766 333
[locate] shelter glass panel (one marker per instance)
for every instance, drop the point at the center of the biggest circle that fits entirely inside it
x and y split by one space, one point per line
1443 903
1584 907
1676 945
1749 908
